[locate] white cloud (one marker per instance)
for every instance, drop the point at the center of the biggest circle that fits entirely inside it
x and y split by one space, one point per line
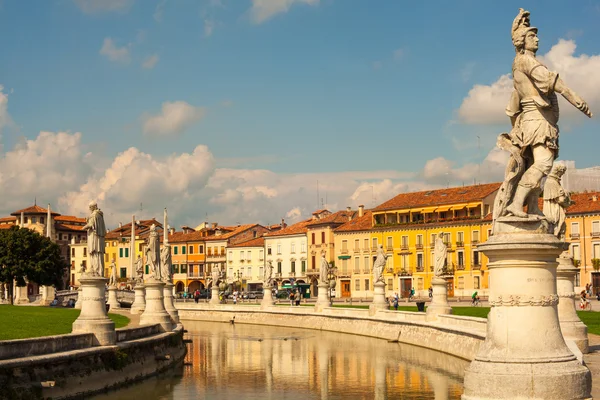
159 11
150 61
262 10
209 26
5 119
398 54
485 104
101 6
173 119
114 53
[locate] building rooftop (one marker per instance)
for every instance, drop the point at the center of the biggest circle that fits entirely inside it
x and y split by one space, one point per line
141 229
363 223
35 209
258 242
228 232
295 229
336 218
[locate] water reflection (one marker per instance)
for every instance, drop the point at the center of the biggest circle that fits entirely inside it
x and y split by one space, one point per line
253 362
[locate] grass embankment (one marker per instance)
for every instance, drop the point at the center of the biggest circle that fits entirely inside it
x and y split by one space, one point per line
20 322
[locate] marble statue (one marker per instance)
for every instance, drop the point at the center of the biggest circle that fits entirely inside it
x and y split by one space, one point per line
324 269
139 270
96 231
268 276
82 268
153 253
556 200
165 262
216 275
113 274
379 265
440 254
533 111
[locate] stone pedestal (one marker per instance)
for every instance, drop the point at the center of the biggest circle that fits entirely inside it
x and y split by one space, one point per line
439 302
267 300
21 295
214 295
112 298
79 295
571 326
169 305
139 301
48 294
524 355
155 312
379 302
93 318
322 297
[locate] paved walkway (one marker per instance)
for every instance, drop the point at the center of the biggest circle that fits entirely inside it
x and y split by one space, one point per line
134 319
592 360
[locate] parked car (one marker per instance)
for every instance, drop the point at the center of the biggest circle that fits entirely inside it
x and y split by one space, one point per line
257 294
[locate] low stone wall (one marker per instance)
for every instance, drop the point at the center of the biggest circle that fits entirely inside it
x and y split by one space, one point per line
458 336
126 334
44 345
81 372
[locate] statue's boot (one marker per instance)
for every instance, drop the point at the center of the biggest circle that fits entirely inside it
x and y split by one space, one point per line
532 202
516 206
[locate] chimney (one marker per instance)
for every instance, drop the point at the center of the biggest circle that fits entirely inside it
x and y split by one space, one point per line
361 210
120 225
349 212
594 198
218 232
171 231
214 225
283 224
348 209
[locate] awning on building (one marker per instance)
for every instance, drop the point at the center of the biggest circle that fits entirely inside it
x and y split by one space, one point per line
426 210
443 208
473 205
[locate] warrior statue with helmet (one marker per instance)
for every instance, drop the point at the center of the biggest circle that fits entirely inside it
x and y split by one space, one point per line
533 111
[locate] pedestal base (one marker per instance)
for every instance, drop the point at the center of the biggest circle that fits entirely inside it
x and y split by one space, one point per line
169 299
570 325
21 295
48 294
322 298
112 298
155 312
524 355
267 300
379 302
139 301
79 296
93 318
439 302
214 295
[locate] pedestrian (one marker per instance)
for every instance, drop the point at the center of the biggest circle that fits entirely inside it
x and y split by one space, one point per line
235 295
196 296
430 292
396 299
291 298
298 297
412 293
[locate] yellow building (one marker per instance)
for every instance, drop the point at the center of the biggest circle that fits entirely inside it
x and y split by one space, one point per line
407 225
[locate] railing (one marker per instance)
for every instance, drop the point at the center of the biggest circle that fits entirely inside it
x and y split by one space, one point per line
312 271
460 267
448 244
292 274
389 248
460 244
475 241
476 267
277 274
595 234
419 246
575 236
373 248
356 250
344 251
357 270
404 247
420 269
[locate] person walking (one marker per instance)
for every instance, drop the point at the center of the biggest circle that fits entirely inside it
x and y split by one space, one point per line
430 292
292 299
396 299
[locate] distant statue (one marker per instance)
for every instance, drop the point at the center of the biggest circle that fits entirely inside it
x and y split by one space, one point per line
153 253
139 271
324 269
440 255
96 231
82 268
556 200
379 265
268 276
113 274
533 111
165 262
216 275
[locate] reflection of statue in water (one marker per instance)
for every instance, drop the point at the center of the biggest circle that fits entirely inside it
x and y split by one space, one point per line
324 269
533 111
268 276
113 274
153 253
379 265
139 271
165 262
96 231
440 255
556 200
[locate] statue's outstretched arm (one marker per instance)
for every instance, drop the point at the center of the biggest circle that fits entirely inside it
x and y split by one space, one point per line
572 97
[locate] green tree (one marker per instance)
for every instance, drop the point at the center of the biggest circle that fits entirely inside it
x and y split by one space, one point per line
27 254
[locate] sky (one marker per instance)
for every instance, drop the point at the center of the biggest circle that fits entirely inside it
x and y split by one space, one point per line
239 111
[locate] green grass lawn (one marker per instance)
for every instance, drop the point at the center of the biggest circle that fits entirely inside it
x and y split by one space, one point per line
20 322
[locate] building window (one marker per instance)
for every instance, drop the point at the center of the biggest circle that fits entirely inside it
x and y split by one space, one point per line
357 284
241 255
201 249
356 244
390 283
126 252
123 273
367 266
183 268
175 250
269 250
73 252
191 250
313 238
596 250
476 282
432 243
249 256
294 266
140 247
461 258
313 262
25 220
344 246
293 247
375 243
575 252
183 249
366 244
475 236
279 267
367 284
322 237
420 260
419 241
461 282
460 238
420 284
33 220
596 228
278 248
574 230
303 247
303 266
121 252
41 220
356 265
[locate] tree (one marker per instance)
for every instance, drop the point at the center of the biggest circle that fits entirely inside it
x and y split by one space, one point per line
27 254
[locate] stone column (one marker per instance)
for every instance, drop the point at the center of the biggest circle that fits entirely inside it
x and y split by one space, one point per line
214 294
379 302
322 299
267 300
155 312
48 294
112 298
439 301
21 295
139 301
79 296
524 355
571 326
93 317
169 305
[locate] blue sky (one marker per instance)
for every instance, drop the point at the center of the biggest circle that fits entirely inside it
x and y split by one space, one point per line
292 87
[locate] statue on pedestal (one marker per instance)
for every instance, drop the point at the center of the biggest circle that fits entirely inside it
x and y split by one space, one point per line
153 253
440 255
379 265
113 274
96 231
268 275
165 262
324 269
556 200
533 111
216 275
139 271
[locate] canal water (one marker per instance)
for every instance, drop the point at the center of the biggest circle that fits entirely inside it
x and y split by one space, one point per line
255 362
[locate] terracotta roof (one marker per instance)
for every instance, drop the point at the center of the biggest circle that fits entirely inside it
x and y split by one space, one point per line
339 218
585 203
68 227
320 211
180 237
34 210
69 218
236 230
363 223
141 229
455 195
8 219
258 242
295 229
6 226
